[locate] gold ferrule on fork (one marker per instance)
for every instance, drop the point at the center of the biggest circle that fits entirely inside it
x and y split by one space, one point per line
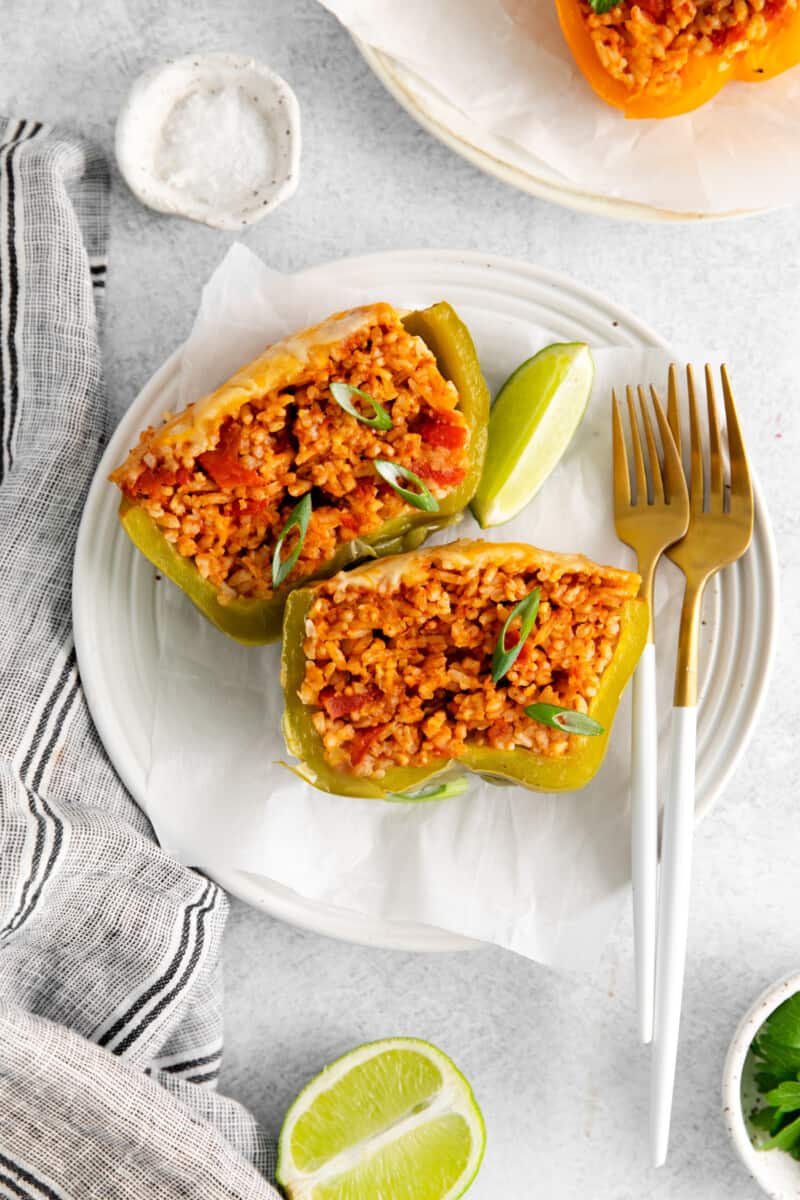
686 665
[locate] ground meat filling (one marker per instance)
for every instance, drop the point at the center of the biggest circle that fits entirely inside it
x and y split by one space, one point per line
402 677
226 507
647 44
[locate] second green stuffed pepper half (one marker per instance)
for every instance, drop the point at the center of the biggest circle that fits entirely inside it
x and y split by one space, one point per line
353 439
503 659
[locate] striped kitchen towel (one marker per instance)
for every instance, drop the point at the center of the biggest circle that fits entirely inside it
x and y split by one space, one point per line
110 997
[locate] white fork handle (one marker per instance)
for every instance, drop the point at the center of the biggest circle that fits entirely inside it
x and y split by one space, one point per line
673 923
644 834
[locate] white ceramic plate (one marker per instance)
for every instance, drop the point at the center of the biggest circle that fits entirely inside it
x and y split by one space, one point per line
505 159
114 586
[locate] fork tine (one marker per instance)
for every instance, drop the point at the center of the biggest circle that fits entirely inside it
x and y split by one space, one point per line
696 486
741 496
652 449
638 457
622 480
674 480
673 409
716 493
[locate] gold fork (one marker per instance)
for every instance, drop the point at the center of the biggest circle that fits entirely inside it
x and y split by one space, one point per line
720 529
648 520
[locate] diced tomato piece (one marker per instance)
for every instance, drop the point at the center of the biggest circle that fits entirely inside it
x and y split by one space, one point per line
438 432
363 742
147 484
654 8
230 435
228 472
251 508
151 483
441 476
511 639
223 463
499 731
341 706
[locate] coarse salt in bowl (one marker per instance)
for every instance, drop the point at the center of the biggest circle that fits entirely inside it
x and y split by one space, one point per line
213 137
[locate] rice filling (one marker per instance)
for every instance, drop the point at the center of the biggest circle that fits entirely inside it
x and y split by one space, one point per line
646 44
223 503
399 668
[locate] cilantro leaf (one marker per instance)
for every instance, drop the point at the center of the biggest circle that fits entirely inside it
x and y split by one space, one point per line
787 1139
785 1095
603 6
763 1118
767 1080
776 1050
783 1025
776 1056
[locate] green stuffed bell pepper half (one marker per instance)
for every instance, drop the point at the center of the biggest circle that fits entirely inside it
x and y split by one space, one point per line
354 439
506 660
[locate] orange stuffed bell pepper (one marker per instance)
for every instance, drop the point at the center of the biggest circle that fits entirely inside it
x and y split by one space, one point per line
661 58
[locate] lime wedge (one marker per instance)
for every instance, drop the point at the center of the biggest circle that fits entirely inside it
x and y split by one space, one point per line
394 1119
532 422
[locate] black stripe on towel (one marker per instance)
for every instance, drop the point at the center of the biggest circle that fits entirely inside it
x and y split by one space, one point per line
42 813
208 1077
191 1064
164 979
184 978
9 333
70 663
42 1188
55 821
10 1186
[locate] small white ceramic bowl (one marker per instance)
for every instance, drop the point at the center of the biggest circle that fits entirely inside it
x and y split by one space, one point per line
156 95
776 1173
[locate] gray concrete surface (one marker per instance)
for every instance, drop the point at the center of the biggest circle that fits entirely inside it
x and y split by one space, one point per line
552 1057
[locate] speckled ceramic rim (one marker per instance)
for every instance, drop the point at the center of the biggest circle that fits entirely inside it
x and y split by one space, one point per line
155 93
761 1165
114 591
489 154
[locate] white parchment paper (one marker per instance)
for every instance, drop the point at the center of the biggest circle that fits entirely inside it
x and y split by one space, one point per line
505 65
540 874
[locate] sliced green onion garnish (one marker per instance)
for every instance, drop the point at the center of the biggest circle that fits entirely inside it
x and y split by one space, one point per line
298 518
434 791
526 610
565 719
342 392
391 472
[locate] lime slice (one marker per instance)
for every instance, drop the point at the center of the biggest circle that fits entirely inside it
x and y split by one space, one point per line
394 1119
532 422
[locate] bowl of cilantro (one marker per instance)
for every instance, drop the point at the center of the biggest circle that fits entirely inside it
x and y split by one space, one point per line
761 1090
